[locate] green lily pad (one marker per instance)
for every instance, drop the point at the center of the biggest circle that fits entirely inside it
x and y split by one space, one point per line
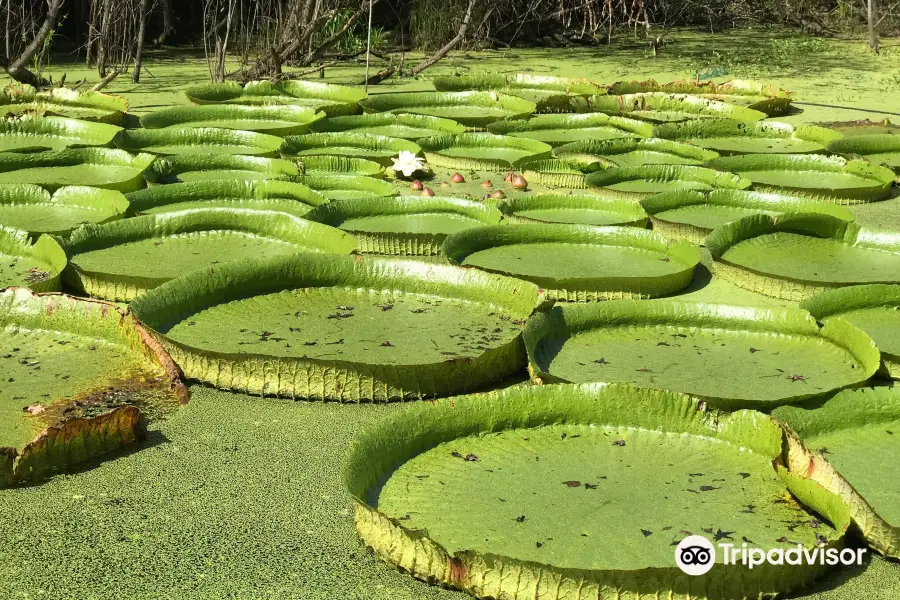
408 225
660 107
557 130
279 196
690 215
78 376
852 180
553 173
333 99
23 263
97 167
408 127
730 136
204 167
749 94
862 127
640 182
582 492
64 102
122 260
28 134
578 262
481 151
573 209
348 328
795 255
347 187
879 149
31 208
632 152
319 164
549 93
873 308
472 109
772 356
198 140
274 120
849 447
377 148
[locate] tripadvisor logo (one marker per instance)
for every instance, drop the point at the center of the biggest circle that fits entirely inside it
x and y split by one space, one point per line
695 555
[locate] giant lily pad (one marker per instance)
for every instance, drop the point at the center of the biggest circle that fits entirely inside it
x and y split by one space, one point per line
563 129
319 326
199 140
64 102
203 167
280 196
27 134
795 255
274 120
549 93
481 151
121 260
97 167
849 447
691 215
347 187
633 152
408 225
640 182
31 208
472 109
660 107
333 99
862 127
851 180
750 94
377 148
582 492
730 136
554 172
772 356
880 149
409 127
23 263
319 164
76 376
579 262
575 209
873 308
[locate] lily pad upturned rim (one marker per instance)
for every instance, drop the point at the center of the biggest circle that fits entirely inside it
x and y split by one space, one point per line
218 189
61 102
433 148
768 201
570 121
648 102
76 133
376 453
608 149
864 145
335 99
323 182
401 102
846 410
553 173
461 244
571 319
336 212
195 139
320 164
14 161
724 127
166 169
16 242
93 436
109 204
299 146
300 117
881 177
436 125
632 212
112 286
814 225
493 81
772 101
322 379
711 177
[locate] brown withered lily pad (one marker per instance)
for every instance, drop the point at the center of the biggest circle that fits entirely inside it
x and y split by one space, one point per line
79 379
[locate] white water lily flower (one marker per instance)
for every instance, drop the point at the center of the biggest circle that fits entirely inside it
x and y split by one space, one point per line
408 163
